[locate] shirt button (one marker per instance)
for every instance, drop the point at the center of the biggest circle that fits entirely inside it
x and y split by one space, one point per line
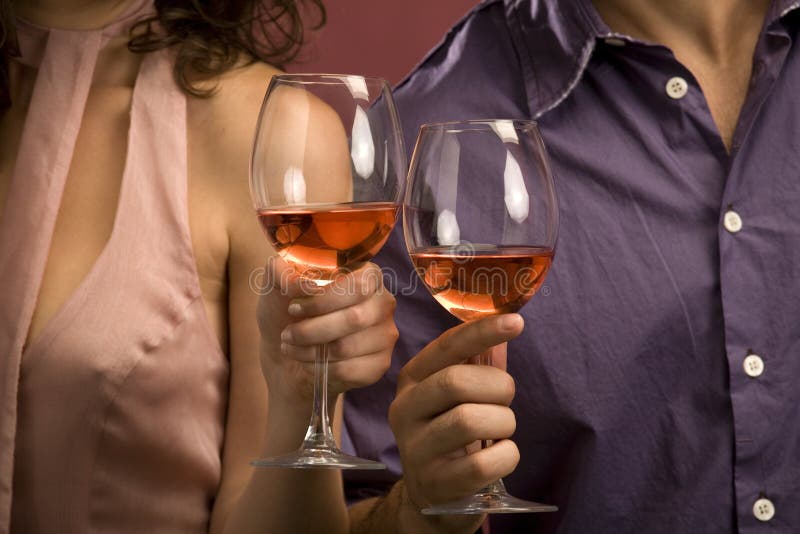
763 509
677 87
753 365
732 221
614 41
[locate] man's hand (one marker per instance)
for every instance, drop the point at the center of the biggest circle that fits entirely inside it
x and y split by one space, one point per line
442 407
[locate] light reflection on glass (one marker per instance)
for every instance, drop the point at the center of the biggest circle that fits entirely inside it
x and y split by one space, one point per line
506 131
516 195
294 186
362 150
447 231
357 86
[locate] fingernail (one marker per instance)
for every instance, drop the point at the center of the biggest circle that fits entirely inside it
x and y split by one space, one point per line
286 335
510 322
284 348
295 309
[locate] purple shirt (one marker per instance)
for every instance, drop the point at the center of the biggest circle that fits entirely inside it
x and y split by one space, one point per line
677 264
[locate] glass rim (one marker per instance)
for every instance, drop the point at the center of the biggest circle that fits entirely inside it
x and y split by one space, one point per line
326 78
477 125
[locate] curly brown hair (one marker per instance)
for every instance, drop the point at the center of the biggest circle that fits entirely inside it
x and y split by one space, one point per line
209 36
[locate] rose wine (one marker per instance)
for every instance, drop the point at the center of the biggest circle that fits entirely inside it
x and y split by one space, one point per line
320 241
482 281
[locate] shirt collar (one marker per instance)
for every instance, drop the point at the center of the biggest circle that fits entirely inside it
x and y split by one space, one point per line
781 8
556 40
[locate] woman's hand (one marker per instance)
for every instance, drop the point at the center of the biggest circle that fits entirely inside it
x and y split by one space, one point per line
353 315
443 407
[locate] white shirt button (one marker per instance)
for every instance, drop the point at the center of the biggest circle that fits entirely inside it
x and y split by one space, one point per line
763 509
677 87
732 221
615 41
753 365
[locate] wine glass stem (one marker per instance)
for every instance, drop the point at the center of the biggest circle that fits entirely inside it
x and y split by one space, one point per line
496 487
485 358
319 434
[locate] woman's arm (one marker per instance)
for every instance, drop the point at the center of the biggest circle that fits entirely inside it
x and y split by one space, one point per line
265 377
361 335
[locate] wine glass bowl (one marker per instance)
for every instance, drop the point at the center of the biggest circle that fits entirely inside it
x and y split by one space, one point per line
321 242
488 282
328 170
480 223
327 175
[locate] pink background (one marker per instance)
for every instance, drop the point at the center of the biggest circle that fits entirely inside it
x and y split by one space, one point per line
385 38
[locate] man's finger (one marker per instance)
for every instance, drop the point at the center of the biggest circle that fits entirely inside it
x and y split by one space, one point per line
463 425
338 324
497 357
458 384
462 342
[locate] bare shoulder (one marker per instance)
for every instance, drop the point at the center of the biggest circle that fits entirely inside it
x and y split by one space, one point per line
221 129
226 239
228 118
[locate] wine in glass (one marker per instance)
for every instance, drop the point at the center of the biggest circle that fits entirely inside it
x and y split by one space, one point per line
326 179
480 219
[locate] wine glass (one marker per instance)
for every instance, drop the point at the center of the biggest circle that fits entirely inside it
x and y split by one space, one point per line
480 219
327 177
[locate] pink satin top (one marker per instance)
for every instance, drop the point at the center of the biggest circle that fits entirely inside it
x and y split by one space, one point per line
111 419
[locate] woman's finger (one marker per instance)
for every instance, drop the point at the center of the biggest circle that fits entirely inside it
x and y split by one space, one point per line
358 372
377 338
340 323
342 292
282 279
354 373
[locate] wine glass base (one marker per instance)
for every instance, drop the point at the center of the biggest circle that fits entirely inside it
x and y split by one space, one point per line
318 458
488 503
